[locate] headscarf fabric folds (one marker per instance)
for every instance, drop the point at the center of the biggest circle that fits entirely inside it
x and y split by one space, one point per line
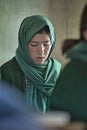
43 76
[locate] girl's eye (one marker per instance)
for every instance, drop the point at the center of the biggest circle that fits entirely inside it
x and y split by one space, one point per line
33 44
47 43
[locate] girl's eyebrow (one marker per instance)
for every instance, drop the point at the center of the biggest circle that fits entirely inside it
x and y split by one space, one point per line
39 42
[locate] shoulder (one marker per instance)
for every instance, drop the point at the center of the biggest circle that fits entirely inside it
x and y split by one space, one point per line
11 72
75 71
11 64
10 67
76 65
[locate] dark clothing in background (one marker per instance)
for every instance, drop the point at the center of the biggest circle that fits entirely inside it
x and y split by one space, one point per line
70 93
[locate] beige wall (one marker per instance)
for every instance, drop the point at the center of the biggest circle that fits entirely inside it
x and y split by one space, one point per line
65 15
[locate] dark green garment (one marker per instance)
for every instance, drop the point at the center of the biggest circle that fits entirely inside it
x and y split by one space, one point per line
11 73
70 93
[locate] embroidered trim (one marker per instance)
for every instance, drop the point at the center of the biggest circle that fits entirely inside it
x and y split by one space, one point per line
27 82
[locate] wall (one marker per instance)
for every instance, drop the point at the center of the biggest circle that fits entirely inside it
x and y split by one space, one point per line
65 15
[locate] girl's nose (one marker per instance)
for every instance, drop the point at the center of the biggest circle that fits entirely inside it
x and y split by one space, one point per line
41 48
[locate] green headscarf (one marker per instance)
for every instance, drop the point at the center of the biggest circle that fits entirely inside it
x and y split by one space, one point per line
43 77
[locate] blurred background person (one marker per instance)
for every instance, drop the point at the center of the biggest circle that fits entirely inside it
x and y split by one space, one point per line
13 113
66 45
70 93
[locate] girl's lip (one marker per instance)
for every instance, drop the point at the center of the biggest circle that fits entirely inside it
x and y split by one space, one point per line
40 57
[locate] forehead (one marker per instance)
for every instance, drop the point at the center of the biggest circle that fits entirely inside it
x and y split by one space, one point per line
40 37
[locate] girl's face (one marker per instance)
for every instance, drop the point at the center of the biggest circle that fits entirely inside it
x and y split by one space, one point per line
39 48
